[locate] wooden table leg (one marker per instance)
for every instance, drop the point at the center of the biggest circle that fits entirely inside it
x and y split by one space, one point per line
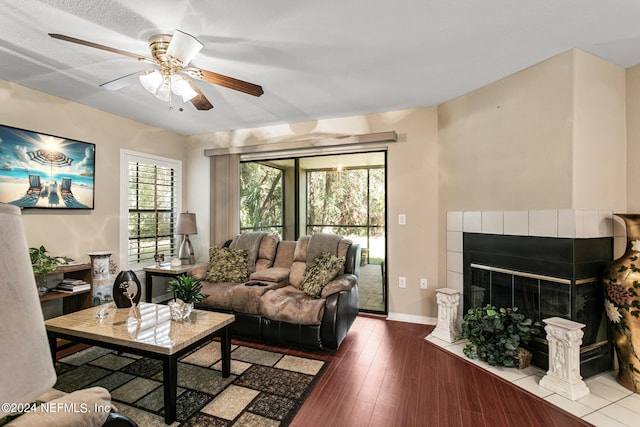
225 349
170 388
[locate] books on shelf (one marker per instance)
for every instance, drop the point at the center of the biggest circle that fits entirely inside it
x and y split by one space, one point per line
71 285
72 281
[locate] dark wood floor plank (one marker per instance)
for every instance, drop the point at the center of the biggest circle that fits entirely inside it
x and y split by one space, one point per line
386 374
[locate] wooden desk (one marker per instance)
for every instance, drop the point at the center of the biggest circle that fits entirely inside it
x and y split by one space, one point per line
167 271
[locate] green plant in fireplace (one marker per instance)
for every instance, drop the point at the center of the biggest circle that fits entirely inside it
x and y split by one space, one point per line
496 335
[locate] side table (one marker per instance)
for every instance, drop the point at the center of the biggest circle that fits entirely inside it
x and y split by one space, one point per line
162 271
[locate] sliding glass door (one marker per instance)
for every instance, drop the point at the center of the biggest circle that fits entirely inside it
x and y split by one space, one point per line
342 194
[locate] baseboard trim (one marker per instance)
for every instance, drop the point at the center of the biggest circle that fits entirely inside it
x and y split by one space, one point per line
422 320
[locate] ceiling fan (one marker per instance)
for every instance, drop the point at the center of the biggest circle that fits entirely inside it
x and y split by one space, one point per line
170 56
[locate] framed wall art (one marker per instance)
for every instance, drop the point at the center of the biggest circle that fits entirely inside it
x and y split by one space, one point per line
43 171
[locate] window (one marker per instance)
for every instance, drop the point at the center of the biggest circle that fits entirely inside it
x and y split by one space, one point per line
349 202
261 198
150 202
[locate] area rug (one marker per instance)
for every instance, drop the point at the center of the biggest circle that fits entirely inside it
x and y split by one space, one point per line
266 388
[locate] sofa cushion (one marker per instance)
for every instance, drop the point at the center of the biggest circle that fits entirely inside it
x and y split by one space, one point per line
299 264
246 299
220 295
319 243
290 304
227 265
273 274
323 270
267 252
251 243
284 254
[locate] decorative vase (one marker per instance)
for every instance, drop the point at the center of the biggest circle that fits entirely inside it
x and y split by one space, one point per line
101 277
180 310
41 282
126 289
622 304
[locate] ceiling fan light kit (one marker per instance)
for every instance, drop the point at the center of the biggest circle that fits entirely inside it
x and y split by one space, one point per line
171 54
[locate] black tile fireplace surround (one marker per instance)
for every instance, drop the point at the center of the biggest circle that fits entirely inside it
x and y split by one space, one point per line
544 277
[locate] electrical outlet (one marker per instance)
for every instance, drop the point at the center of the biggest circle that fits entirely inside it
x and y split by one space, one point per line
423 283
402 282
402 219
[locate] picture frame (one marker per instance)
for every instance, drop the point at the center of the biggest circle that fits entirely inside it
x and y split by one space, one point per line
42 171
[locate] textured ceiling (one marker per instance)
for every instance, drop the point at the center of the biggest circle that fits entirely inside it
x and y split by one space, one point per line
315 60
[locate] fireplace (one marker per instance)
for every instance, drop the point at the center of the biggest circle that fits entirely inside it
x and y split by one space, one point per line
544 277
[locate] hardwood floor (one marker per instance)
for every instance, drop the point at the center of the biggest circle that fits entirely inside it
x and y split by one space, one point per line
386 374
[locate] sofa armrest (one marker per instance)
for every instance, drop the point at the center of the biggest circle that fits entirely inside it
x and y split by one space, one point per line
199 271
343 282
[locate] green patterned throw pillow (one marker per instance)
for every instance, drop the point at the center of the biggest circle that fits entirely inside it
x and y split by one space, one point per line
227 265
325 268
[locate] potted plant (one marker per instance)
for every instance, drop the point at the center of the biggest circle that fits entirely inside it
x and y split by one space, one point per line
496 335
187 290
42 265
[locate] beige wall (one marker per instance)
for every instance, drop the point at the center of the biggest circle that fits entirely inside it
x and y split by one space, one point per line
552 136
599 134
412 190
633 138
508 146
75 233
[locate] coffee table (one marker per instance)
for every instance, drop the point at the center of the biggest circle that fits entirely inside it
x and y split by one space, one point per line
155 335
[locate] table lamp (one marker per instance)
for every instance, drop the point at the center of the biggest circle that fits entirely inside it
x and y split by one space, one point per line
185 226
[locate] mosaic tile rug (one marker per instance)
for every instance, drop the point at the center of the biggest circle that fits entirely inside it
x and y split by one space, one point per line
266 388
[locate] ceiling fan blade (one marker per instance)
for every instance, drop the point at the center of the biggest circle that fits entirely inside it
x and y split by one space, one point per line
123 81
102 47
184 47
200 102
226 81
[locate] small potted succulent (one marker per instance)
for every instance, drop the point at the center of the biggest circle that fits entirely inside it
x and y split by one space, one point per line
496 335
187 290
42 265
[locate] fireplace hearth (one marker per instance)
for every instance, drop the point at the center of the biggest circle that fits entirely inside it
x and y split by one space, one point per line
544 277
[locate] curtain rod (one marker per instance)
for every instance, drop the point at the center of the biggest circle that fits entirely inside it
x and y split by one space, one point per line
346 140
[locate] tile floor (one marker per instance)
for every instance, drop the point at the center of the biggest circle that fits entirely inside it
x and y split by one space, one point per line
608 405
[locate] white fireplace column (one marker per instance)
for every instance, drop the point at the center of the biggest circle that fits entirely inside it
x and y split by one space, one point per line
563 377
448 300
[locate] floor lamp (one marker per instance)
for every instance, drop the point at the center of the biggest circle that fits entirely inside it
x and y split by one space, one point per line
186 226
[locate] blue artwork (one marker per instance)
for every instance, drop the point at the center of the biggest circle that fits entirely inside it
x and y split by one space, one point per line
45 171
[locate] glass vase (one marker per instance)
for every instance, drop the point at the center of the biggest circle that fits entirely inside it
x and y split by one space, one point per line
41 283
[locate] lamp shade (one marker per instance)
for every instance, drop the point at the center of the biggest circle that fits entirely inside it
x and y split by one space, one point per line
186 224
25 356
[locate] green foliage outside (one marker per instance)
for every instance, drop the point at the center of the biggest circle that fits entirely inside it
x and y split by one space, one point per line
151 211
261 198
349 202
352 197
